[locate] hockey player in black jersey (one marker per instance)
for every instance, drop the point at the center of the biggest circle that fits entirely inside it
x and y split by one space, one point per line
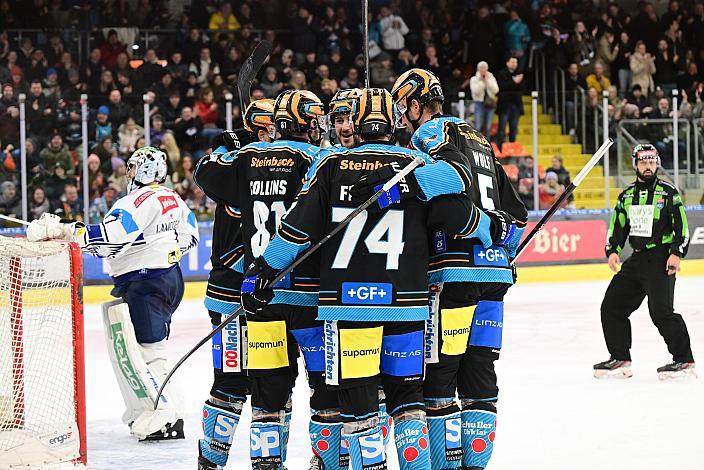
270 175
469 282
339 117
215 174
374 291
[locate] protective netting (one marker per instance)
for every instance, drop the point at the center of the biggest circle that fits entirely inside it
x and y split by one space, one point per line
38 403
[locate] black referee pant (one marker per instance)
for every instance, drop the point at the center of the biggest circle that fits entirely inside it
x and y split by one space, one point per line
643 274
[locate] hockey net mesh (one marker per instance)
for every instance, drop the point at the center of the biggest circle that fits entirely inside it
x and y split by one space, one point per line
38 411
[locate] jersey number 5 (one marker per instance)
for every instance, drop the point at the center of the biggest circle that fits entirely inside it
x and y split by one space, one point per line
386 237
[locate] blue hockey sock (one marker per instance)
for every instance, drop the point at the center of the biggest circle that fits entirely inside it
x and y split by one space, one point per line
445 433
478 431
411 438
219 426
325 439
287 427
265 440
385 420
366 449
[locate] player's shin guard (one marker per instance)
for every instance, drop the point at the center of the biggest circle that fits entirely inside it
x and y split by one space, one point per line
445 433
385 420
366 445
411 439
478 431
220 420
325 438
265 439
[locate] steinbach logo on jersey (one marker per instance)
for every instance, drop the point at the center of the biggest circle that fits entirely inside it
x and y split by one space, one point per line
271 162
367 293
167 203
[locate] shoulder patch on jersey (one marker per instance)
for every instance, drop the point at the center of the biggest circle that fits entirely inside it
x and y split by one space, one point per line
191 219
167 203
125 218
142 197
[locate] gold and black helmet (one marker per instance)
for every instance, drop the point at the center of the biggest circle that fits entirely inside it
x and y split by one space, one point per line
259 113
297 111
374 114
420 84
344 101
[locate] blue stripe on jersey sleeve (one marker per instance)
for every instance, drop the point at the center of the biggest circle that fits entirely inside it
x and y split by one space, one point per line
438 179
430 136
281 253
476 274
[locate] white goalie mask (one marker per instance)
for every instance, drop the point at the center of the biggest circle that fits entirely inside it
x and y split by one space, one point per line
146 165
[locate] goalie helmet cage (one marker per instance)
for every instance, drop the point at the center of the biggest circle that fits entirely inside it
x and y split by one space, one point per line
42 366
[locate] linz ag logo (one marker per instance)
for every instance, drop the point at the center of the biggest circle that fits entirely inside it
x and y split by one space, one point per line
367 293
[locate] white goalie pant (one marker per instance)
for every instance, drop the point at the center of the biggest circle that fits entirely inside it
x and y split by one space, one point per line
140 370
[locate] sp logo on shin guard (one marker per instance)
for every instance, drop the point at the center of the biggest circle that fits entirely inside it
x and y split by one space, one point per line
453 439
265 442
372 449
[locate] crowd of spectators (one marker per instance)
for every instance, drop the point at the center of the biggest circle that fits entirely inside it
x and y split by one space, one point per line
184 62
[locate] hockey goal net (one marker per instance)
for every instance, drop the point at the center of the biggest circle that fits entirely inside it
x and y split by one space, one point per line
42 382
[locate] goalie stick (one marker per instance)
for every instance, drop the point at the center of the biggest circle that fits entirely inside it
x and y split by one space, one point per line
563 197
399 176
249 71
12 219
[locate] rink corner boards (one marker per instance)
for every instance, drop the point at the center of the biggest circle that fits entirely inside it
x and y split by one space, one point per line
544 274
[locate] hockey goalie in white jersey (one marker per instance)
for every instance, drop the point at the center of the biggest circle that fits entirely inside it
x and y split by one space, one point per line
143 237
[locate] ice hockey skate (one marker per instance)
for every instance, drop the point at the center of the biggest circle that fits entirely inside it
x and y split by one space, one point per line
613 369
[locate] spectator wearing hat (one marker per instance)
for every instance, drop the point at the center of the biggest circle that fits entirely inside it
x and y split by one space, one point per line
639 101
484 89
550 190
51 84
10 200
38 203
56 152
101 127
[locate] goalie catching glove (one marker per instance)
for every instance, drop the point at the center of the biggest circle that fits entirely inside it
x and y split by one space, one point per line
51 226
257 289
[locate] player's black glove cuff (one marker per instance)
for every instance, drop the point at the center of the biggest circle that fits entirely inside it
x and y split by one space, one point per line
227 139
370 183
503 227
256 286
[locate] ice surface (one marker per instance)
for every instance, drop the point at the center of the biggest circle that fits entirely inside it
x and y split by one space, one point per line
552 413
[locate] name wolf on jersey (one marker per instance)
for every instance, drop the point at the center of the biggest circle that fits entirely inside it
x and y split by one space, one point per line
271 161
360 352
483 160
267 188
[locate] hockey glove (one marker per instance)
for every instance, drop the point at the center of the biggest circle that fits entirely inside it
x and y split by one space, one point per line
227 139
49 226
371 182
256 286
503 228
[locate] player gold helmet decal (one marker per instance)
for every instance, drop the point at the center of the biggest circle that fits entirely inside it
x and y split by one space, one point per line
374 114
259 113
420 84
344 101
297 111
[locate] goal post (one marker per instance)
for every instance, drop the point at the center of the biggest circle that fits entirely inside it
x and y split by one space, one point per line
42 364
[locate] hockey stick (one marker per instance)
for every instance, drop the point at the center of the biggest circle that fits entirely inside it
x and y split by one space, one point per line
249 71
563 197
388 185
12 219
365 40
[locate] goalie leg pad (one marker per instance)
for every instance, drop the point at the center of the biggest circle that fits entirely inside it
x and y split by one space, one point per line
138 382
445 433
220 421
478 432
